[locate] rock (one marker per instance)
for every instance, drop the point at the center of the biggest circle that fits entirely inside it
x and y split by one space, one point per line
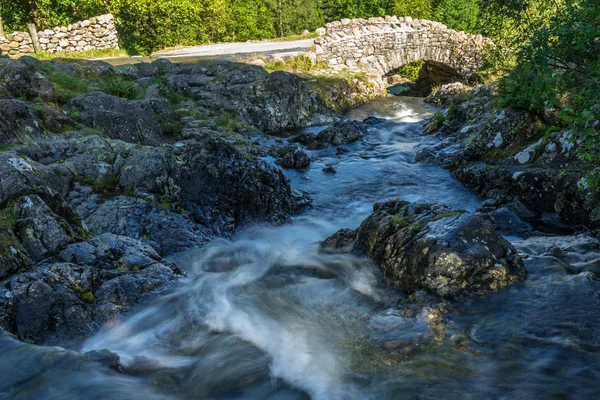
343 132
86 286
90 283
430 247
291 157
260 63
302 200
329 169
446 94
579 253
165 231
133 121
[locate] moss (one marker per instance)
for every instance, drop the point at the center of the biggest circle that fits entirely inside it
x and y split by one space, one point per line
87 297
448 215
7 222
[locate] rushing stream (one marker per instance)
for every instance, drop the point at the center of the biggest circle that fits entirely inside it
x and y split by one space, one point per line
266 316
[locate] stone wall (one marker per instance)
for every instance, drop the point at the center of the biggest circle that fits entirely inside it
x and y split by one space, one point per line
380 45
96 33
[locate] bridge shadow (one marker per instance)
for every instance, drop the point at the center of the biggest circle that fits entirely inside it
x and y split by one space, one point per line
431 74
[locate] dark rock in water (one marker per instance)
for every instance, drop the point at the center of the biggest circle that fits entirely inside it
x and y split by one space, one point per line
431 247
341 133
329 169
291 157
508 221
341 150
88 284
133 121
302 200
578 253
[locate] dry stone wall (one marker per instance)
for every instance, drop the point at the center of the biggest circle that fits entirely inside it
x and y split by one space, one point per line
97 33
380 45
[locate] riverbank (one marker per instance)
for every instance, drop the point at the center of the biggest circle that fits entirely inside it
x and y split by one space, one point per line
217 230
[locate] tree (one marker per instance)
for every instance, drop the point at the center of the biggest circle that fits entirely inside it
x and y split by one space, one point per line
461 15
249 19
293 16
421 9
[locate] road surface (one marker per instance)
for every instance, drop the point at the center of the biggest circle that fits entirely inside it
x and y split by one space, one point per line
227 51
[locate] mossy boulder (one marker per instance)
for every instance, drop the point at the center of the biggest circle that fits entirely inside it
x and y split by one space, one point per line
434 248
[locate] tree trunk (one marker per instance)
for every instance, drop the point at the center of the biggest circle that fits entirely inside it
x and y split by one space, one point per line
34 37
1 26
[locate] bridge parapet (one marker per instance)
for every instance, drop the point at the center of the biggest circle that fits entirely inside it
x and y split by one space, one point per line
380 45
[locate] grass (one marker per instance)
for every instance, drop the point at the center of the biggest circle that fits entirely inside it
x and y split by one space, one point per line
294 37
299 63
66 87
119 87
88 54
229 122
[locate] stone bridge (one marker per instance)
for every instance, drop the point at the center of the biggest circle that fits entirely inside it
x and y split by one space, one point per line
381 45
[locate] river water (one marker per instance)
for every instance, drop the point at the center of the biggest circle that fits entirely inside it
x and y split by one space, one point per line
266 316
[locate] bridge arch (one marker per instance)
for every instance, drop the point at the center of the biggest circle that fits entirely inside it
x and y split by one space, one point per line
380 45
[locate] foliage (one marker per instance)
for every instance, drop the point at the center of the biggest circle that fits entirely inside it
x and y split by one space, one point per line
148 25
559 73
462 15
421 9
249 19
48 13
294 16
409 71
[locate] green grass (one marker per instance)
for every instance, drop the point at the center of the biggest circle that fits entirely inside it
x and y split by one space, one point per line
66 87
299 63
89 54
119 87
294 37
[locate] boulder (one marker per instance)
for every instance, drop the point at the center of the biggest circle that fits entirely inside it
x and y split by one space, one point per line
343 132
431 247
133 121
290 157
88 284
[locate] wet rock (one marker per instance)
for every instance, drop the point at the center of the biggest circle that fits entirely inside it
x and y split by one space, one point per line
343 132
329 169
290 157
431 247
302 200
85 286
508 221
579 253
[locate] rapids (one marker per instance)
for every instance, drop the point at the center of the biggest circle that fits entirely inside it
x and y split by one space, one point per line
266 316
